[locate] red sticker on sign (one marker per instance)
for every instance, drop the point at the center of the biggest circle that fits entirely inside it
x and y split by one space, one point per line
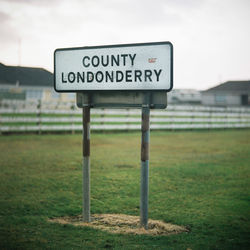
152 60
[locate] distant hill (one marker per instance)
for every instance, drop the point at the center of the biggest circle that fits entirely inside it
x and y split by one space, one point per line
25 76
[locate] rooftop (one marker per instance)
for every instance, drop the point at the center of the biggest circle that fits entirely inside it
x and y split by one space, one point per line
25 76
231 86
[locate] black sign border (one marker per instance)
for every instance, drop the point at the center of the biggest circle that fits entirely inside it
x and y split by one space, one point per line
116 46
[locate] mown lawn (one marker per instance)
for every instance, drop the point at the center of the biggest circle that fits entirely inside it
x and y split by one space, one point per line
197 179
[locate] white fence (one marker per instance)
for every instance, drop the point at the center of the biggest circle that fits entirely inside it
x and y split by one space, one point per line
37 117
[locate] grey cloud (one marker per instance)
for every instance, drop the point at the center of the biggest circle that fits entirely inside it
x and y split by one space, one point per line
8 33
4 17
144 13
185 4
38 3
149 13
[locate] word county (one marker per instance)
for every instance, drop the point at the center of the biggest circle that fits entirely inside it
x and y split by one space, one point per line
105 69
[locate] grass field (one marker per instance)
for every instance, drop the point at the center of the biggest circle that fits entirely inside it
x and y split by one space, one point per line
197 179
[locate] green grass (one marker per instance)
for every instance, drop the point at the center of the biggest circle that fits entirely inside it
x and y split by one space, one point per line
197 179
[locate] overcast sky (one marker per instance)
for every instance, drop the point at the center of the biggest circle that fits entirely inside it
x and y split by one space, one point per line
211 38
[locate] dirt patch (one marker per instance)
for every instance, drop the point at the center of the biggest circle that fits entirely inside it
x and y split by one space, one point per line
122 224
124 166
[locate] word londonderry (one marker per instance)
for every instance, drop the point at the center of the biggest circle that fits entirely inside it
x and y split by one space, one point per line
120 60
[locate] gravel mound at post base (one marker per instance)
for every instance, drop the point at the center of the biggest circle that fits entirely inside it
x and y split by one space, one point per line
122 224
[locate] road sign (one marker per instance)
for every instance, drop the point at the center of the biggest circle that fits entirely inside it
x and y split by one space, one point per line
125 76
144 66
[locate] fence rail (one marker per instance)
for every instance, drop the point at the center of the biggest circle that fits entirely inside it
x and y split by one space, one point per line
46 117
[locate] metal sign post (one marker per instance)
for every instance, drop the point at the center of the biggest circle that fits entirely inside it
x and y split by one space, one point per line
86 163
145 135
116 76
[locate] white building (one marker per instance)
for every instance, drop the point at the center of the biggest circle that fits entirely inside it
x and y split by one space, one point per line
184 96
231 93
26 83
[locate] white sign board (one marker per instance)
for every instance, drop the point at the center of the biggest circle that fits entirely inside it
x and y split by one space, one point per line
147 66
